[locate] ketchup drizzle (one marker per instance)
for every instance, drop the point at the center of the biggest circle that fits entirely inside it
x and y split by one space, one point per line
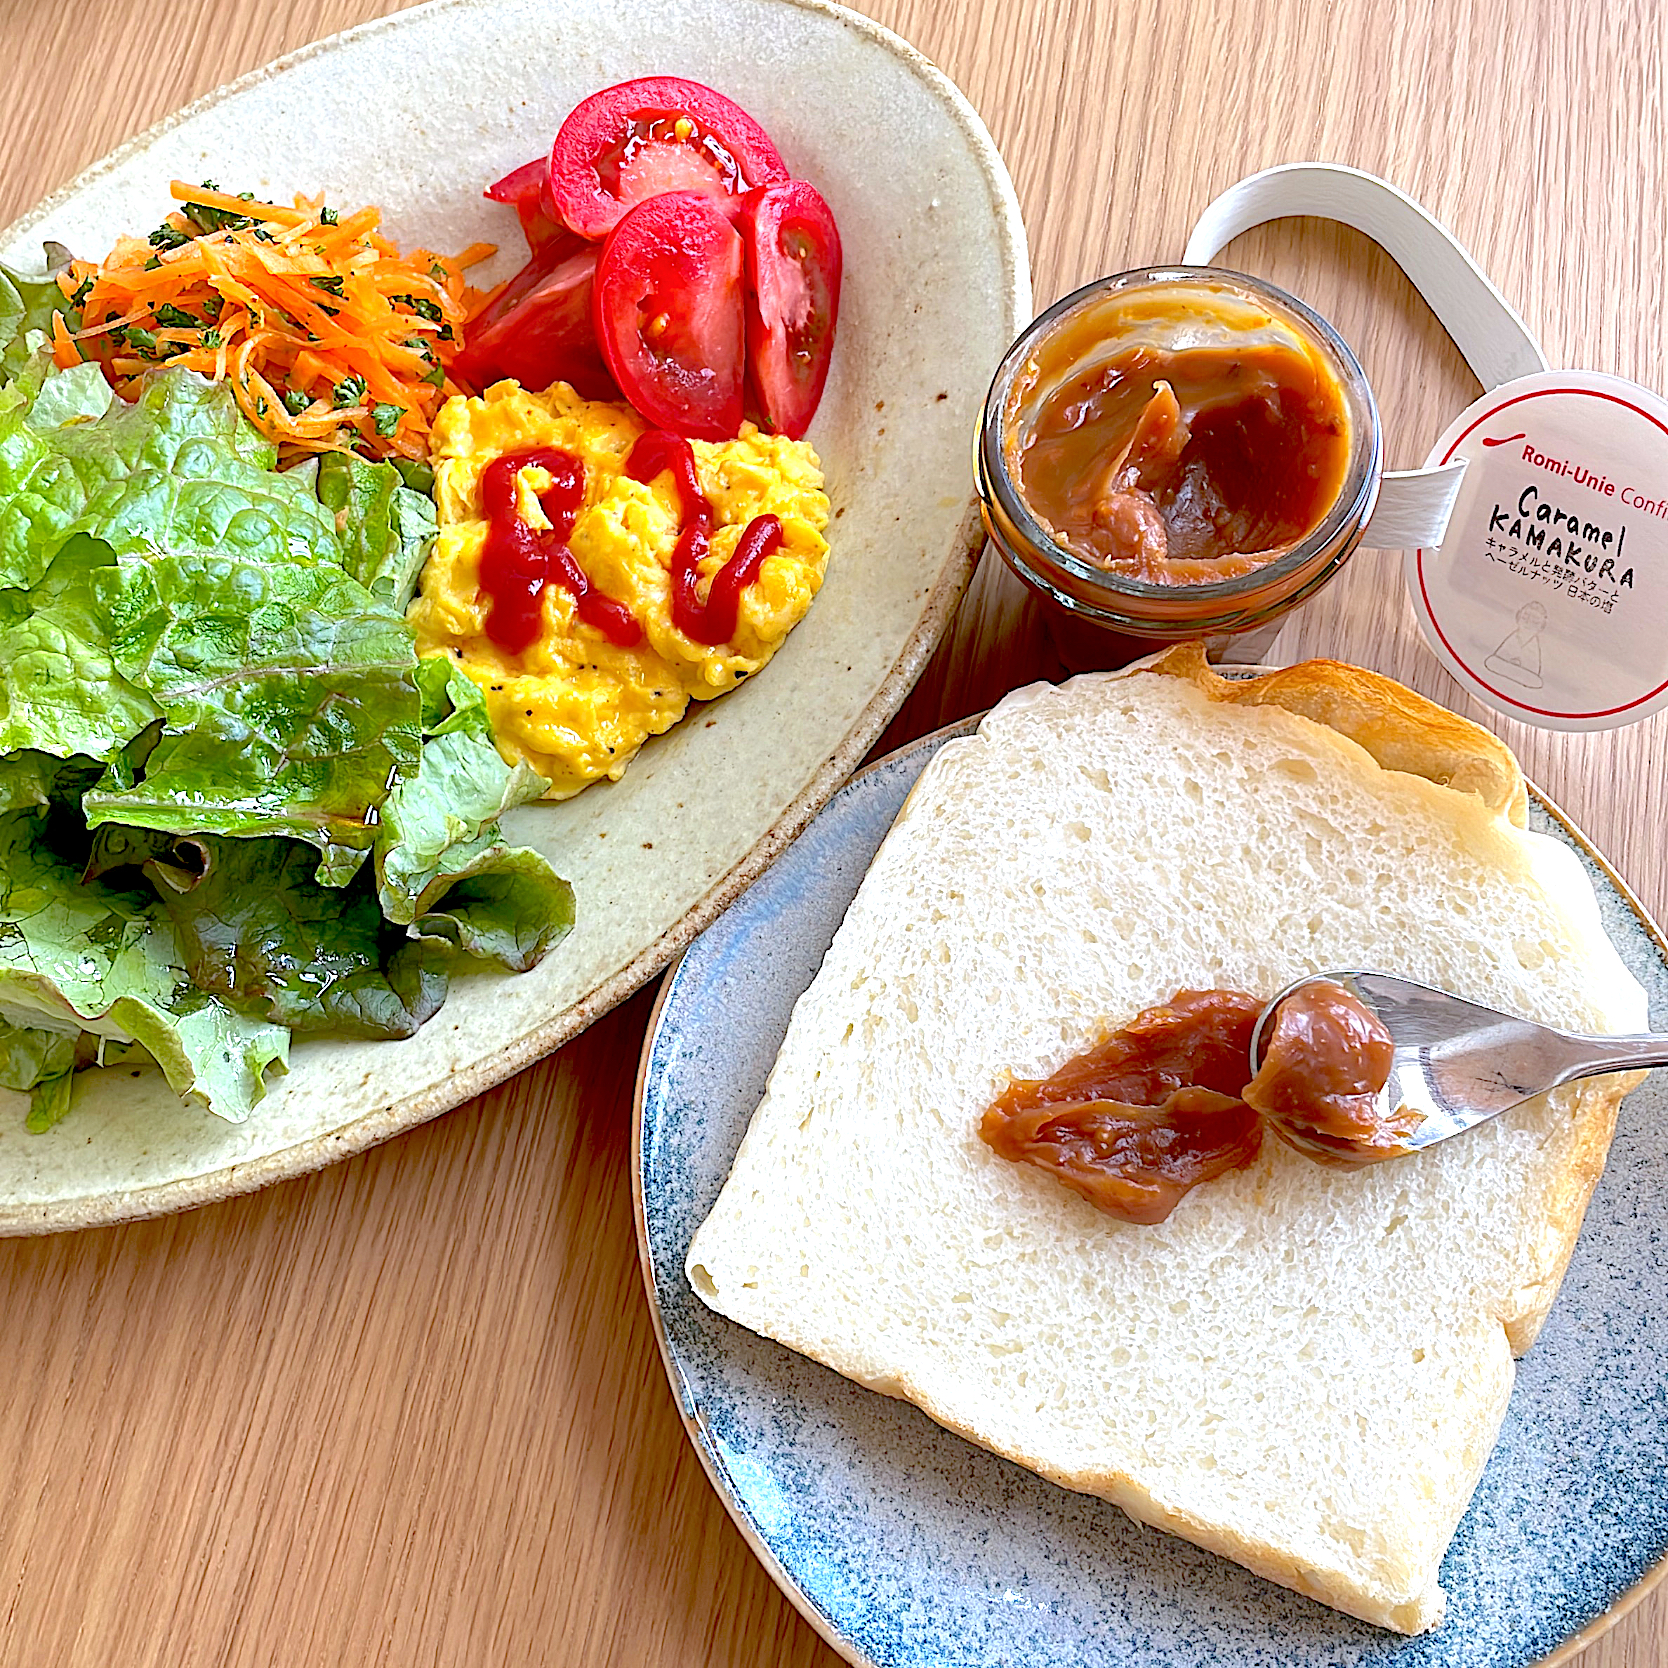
518 561
714 621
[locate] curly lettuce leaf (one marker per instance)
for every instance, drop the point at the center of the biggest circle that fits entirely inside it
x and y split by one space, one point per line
26 779
32 529
105 957
60 691
183 470
385 528
35 405
41 1064
440 823
186 581
208 1052
26 306
49 1102
288 694
180 469
441 862
257 930
211 716
78 395
29 1053
507 909
29 779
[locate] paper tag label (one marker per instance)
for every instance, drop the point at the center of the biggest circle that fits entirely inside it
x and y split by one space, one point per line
1548 597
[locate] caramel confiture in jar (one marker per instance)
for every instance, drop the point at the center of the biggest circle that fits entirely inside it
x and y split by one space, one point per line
1178 452
1186 466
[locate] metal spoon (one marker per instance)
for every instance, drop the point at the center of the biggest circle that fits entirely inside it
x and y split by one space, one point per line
1458 1064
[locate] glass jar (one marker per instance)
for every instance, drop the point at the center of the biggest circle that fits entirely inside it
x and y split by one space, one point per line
1099 616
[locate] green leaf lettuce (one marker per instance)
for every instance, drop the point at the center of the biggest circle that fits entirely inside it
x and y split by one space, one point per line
26 307
102 956
288 694
233 803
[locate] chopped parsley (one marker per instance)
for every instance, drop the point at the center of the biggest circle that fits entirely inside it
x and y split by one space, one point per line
386 418
296 402
421 306
349 391
207 219
435 375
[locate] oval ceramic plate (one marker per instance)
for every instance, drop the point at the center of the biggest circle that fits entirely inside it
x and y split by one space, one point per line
936 285
908 1547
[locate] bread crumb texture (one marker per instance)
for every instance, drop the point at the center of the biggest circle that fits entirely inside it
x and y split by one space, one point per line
1303 1369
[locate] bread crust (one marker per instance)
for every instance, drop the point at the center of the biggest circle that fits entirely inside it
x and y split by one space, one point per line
1595 1105
1399 727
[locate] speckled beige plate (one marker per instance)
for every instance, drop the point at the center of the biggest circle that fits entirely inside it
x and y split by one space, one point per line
417 113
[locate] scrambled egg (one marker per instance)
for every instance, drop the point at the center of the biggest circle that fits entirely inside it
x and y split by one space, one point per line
574 705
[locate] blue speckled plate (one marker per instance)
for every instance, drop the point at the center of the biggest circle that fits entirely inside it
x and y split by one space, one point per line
908 1547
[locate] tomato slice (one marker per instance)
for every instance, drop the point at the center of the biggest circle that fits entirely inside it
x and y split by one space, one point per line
661 133
538 330
793 280
527 189
525 181
668 311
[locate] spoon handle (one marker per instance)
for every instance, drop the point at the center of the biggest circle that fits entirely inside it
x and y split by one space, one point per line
1626 1053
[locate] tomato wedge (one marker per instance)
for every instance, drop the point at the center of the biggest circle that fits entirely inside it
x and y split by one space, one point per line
658 134
527 190
668 311
539 330
793 280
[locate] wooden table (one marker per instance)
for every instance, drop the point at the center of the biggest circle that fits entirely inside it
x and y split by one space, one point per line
409 1411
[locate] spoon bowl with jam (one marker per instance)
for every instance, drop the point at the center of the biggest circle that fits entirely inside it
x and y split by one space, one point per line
1434 1065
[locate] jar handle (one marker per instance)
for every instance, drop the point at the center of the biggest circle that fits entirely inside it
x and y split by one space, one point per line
1413 504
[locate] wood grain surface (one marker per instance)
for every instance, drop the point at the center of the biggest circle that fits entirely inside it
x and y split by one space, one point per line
409 1411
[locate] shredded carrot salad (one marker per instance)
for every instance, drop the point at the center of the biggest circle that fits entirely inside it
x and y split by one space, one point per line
331 339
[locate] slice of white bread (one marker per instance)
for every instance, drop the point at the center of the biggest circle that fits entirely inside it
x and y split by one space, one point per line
1304 1368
